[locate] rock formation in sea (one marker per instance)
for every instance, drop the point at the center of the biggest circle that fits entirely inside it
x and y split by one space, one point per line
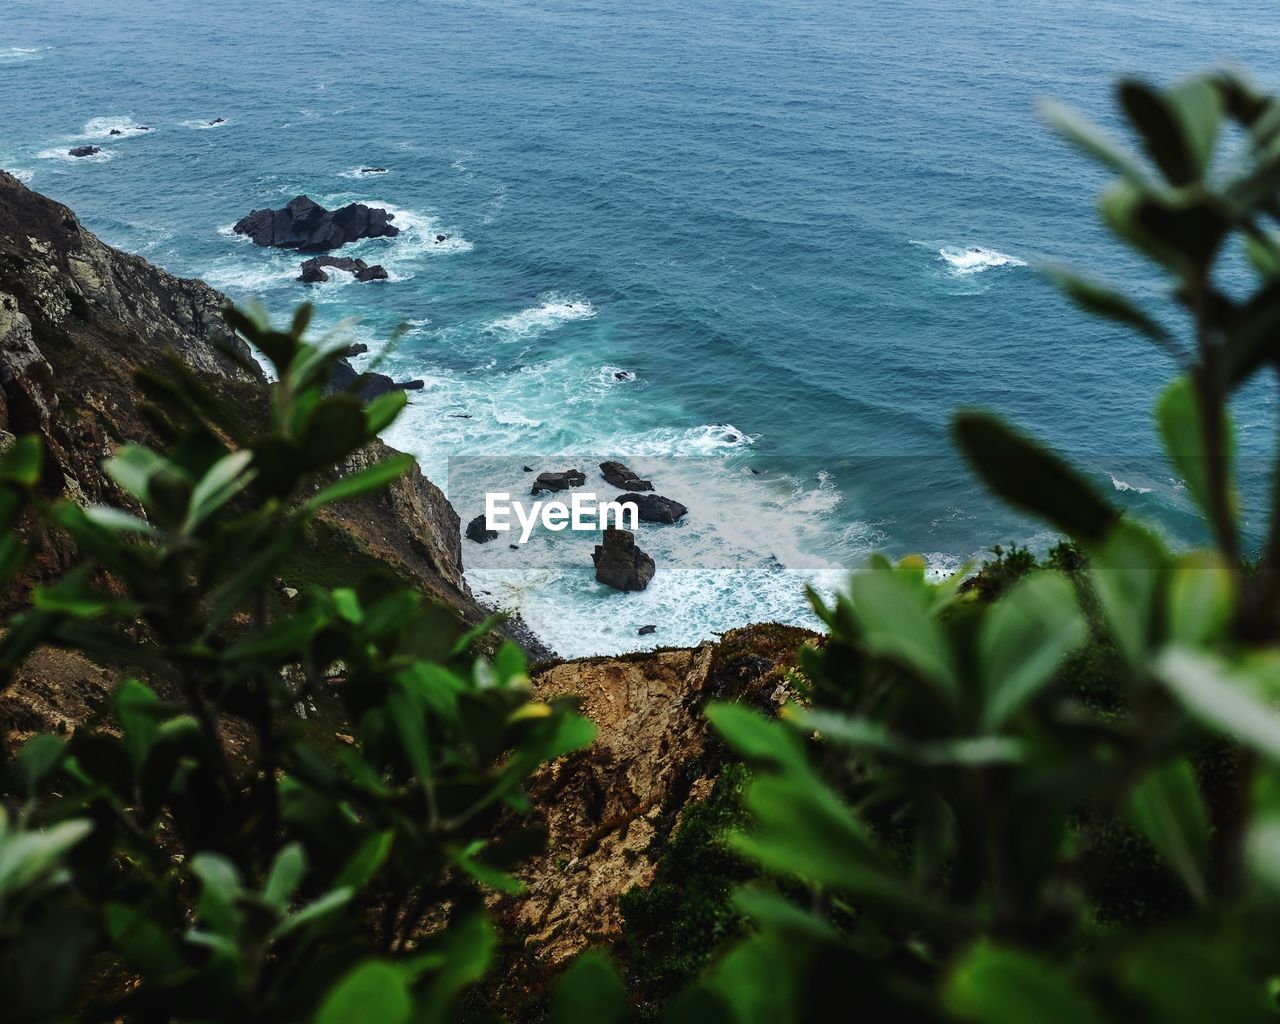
620 476
478 532
313 270
558 481
84 151
654 508
619 563
304 224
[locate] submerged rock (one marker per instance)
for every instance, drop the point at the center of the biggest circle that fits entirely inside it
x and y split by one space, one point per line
558 481
83 151
654 508
304 224
218 120
620 476
477 531
619 563
115 131
623 375
313 269
373 170
646 630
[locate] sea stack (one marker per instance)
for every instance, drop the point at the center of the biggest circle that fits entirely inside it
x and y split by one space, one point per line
619 563
305 224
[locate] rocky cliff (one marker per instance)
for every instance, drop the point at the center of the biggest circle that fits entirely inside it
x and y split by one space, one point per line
79 319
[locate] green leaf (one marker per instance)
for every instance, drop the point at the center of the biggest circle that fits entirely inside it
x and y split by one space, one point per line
383 410
1002 986
1182 420
36 762
1201 598
20 462
894 611
1092 140
317 910
1031 478
139 713
590 990
372 991
132 468
365 862
220 890
755 737
1024 640
1167 807
285 875
1126 573
224 480
1104 302
1221 697
371 479
1189 979
117 520
146 944
1178 129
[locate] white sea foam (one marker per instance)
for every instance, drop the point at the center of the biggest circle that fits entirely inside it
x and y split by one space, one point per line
63 153
554 310
21 175
195 124
976 259
1122 485
102 127
22 54
362 172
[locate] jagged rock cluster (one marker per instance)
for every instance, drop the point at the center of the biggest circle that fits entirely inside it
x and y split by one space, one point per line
313 270
305 224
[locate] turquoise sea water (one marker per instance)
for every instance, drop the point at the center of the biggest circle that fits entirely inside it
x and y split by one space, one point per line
809 229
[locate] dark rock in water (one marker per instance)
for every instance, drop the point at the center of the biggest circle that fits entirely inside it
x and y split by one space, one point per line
731 438
115 131
528 469
412 385
313 269
754 471
459 415
623 375
619 563
617 474
219 120
358 349
367 386
514 547
83 151
646 630
654 508
558 481
477 532
373 170
442 238
141 128
303 224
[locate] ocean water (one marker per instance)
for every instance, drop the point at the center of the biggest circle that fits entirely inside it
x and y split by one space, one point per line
807 231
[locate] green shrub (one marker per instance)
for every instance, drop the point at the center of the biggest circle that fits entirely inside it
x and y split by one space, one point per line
204 855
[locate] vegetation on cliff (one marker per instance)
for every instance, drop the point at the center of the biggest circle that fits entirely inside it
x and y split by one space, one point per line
1049 793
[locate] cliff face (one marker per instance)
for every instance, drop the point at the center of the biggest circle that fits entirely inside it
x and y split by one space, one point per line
79 318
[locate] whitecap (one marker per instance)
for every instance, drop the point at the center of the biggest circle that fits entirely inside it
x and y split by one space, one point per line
1123 485
102 127
22 54
975 259
362 172
63 153
195 124
554 310
22 175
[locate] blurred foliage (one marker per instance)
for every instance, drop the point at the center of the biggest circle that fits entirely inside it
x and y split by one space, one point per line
200 856
1050 792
